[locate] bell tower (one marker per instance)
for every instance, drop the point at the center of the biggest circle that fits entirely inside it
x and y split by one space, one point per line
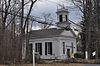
62 17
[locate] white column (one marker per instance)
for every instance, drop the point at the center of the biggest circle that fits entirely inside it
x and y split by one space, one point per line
33 57
86 55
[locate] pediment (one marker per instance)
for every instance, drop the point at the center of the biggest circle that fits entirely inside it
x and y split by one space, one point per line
68 33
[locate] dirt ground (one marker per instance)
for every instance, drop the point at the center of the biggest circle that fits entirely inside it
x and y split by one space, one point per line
58 64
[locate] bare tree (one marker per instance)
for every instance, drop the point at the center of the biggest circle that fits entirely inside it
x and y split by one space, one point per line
90 24
47 19
14 28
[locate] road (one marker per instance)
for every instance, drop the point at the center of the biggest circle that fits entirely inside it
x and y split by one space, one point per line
92 65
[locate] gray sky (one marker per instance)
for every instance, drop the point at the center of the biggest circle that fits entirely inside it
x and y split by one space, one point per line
50 6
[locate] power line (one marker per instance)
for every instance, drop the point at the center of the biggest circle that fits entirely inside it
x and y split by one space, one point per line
75 23
33 18
38 21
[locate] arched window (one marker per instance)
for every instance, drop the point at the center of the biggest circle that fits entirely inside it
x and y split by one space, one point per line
60 18
66 17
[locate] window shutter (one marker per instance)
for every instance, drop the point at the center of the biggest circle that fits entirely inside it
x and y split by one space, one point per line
51 48
46 48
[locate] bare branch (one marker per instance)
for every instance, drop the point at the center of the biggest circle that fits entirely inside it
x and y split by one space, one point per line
77 5
16 14
32 3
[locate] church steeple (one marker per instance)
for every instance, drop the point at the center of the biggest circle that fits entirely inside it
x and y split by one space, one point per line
62 17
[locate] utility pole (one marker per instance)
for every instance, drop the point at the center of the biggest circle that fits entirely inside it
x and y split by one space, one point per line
98 24
89 27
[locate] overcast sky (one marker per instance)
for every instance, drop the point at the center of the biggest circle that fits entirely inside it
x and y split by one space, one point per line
50 6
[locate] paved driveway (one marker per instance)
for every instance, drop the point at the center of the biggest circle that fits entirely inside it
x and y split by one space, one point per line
92 64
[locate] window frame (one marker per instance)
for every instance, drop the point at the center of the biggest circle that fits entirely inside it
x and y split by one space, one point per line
60 18
38 48
63 47
48 48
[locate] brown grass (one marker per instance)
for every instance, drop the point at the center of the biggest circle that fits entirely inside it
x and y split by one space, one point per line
59 64
56 64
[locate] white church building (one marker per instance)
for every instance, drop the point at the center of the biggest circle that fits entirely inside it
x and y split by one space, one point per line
57 42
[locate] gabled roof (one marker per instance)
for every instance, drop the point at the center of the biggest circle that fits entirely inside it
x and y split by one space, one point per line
45 33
